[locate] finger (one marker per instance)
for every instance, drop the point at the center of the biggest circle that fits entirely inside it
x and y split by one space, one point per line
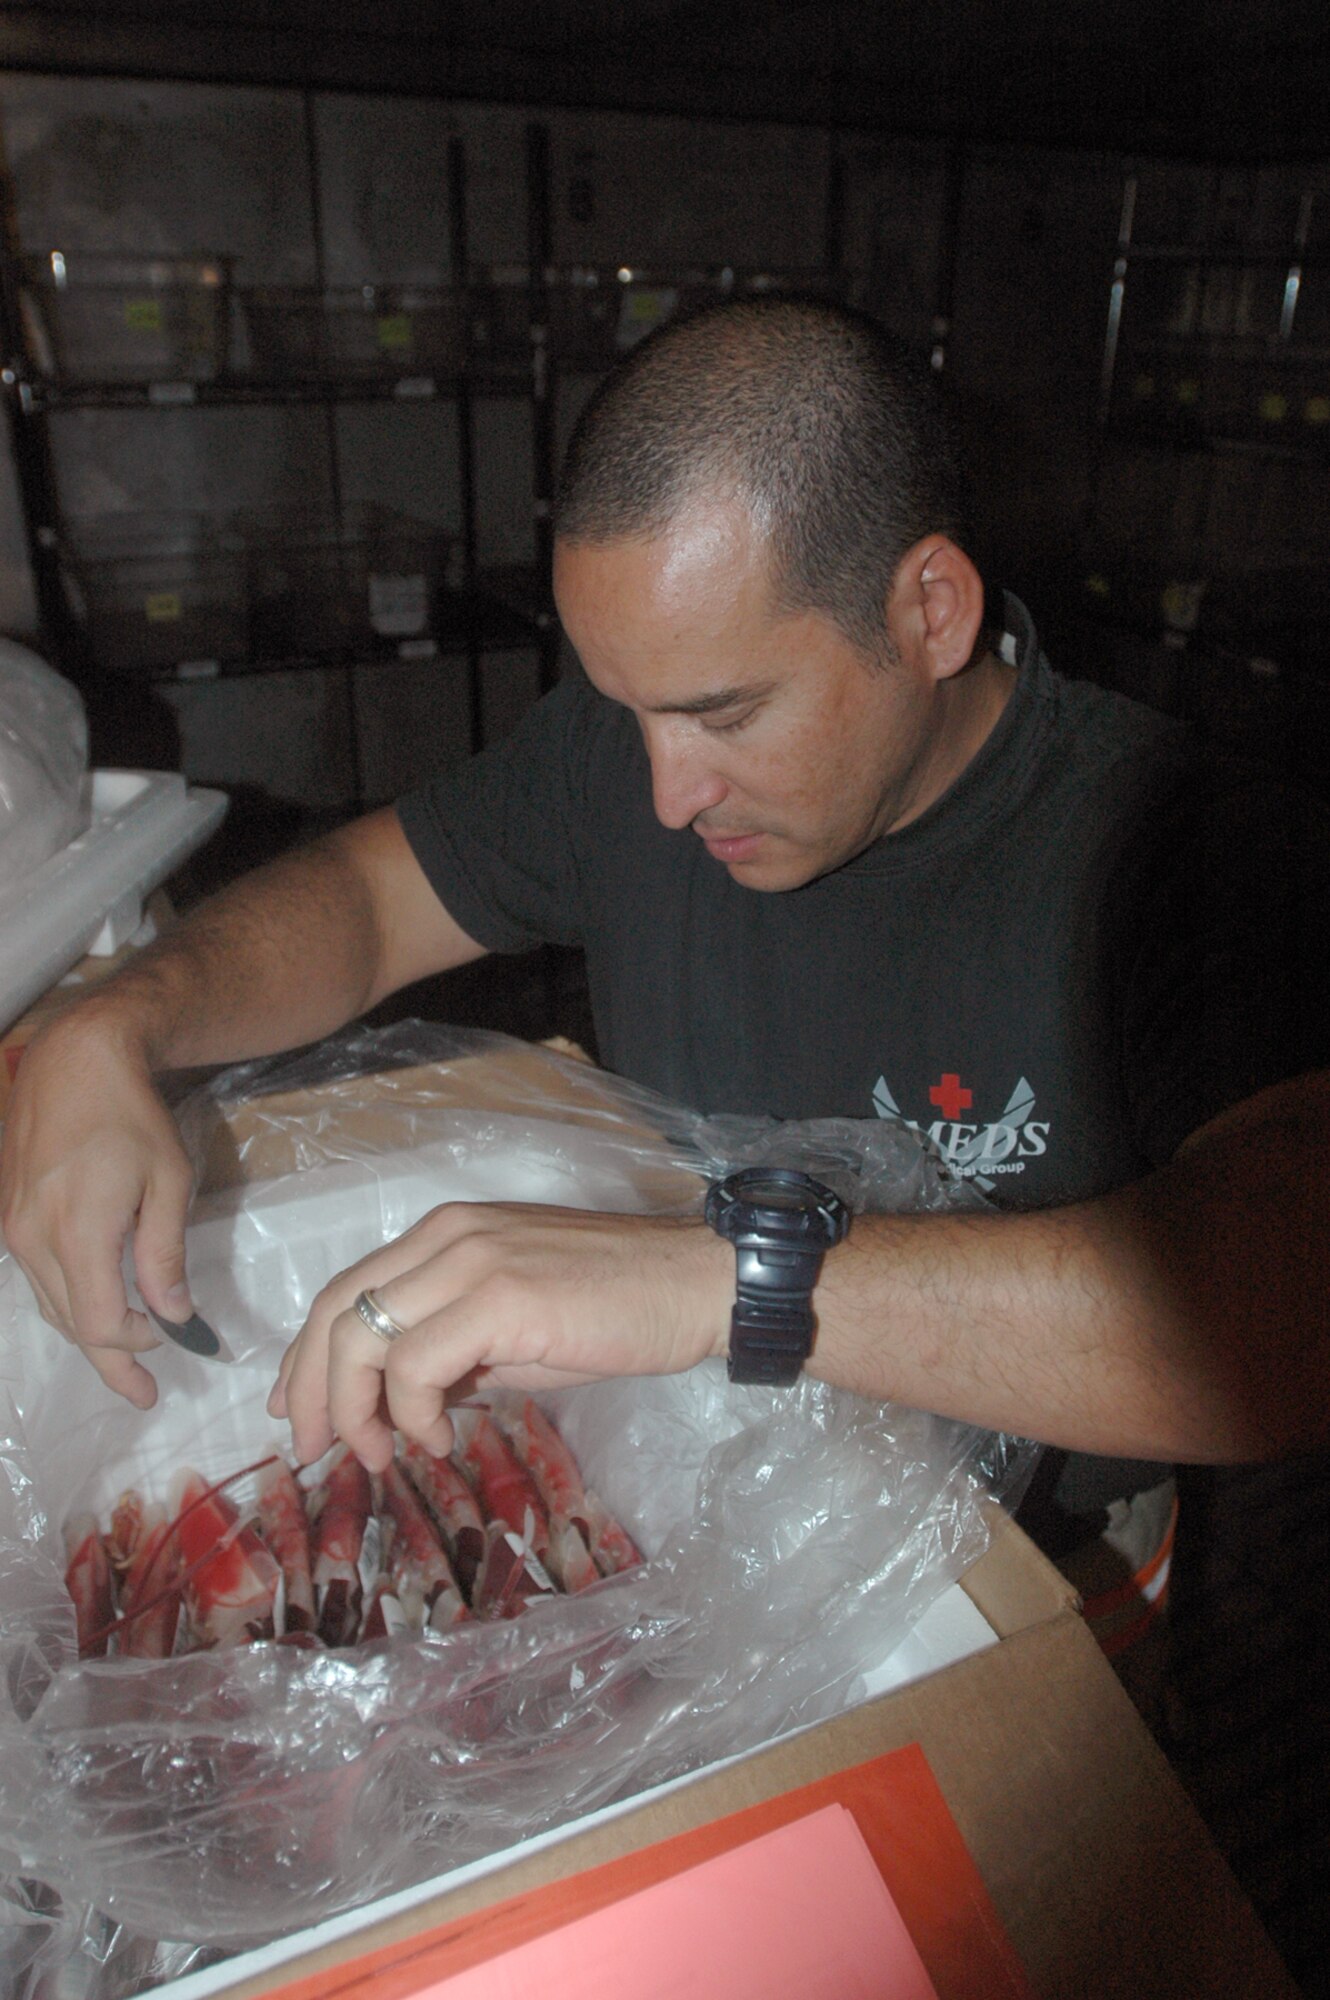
277 1394
417 1400
94 1282
305 1393
438 1358
416 1370
159 1243
47 1308
104 1326
121 1372
356 1405
300 1392
47 1280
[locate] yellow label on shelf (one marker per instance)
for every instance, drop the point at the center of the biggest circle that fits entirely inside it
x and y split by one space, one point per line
395 332
642 308
1316 410
144 315
1274 407
162 607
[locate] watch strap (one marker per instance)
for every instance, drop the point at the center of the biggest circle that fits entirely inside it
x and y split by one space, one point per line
771 1332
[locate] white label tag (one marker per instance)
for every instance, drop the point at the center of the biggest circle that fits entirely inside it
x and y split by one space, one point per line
371 1553
531 1562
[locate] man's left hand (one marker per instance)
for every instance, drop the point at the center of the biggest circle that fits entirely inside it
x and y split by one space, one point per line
522 1297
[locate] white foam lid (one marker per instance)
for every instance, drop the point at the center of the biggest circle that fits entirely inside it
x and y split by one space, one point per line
89 897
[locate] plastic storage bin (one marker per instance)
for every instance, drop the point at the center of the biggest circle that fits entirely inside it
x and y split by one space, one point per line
398 568
298 586
360 331
125 319
593 318
313 591
157 592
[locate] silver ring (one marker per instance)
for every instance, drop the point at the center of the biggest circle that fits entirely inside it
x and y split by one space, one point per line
376 1319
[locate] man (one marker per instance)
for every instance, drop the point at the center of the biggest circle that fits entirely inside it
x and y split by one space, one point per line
833 846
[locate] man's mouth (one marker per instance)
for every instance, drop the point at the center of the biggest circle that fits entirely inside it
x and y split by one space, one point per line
731 847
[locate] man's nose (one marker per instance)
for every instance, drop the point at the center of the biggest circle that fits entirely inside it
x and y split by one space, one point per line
683 784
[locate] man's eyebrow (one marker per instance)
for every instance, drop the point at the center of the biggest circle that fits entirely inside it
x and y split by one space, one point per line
712 704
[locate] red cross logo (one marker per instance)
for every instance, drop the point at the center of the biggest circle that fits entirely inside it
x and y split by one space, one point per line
949 1098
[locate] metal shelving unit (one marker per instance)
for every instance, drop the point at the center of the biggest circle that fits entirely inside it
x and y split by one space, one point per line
1234 366
465 619
526 326
1214 416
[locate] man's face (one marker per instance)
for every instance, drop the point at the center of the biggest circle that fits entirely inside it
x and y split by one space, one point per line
783 746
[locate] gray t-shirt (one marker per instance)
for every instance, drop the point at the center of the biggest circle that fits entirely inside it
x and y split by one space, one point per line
1099 937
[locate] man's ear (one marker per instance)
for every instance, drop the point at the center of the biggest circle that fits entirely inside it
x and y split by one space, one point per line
936 609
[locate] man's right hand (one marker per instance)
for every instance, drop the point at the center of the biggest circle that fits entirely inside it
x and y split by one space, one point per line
92 1158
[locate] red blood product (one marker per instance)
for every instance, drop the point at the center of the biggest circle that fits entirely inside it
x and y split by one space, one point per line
339 1511
88 1581
231 1595
285 1529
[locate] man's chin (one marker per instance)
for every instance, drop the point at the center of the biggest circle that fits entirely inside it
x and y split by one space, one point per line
771 871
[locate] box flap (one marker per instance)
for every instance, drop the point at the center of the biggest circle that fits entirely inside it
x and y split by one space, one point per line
1013 1584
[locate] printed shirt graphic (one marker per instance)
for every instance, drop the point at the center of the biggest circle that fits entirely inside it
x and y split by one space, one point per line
981 1152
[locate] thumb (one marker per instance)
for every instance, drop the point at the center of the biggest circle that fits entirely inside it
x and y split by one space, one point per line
159 1246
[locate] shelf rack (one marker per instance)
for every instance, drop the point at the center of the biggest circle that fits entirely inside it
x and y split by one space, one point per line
468 620
526 325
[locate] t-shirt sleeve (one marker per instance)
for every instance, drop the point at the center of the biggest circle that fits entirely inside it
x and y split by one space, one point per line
498 836
1226 980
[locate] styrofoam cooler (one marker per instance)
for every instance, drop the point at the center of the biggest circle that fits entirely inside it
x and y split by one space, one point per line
89 896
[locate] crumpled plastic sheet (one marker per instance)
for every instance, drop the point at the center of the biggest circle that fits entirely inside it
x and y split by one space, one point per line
217 1800
44 796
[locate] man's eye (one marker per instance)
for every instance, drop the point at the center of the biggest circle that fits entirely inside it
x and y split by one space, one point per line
731 723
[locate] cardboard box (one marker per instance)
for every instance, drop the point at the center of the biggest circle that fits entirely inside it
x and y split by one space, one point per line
1098 1865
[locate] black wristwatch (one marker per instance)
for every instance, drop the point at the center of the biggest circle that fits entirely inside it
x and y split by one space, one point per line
781 1224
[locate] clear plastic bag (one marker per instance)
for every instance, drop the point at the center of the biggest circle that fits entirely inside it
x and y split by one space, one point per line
44 796
792 1537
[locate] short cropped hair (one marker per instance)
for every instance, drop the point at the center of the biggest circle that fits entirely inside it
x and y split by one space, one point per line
830 430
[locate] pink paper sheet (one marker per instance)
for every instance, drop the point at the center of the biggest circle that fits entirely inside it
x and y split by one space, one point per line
801 1913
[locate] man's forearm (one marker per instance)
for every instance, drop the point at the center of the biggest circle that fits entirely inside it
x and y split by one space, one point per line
278 958
1181 1318
281 957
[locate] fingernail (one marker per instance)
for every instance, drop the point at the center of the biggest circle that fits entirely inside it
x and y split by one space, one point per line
178 1302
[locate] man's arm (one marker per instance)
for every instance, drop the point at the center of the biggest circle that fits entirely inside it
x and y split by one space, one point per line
1183 1317
90 1154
